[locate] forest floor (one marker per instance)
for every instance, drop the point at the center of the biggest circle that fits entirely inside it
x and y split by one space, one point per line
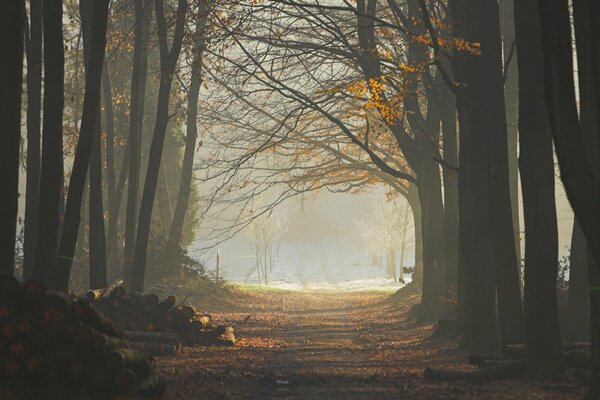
331 345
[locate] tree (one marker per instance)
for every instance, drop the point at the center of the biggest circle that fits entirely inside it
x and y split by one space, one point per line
96 235
11 77
143 13
168 62
34 105
544 354
51 177
185 184
89 121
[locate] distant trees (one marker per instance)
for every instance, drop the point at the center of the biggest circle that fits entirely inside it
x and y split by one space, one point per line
384 227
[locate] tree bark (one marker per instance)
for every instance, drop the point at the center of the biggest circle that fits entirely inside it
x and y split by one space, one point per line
34 109
450 140
138 83
96 233
89 120
51 176
477 299
168 62
544 355
187 168
511 100
586 31
12 22
577 324
510 313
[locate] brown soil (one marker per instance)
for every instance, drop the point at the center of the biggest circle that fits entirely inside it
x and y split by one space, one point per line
331 345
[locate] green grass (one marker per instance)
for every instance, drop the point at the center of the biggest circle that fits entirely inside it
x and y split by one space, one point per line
257 288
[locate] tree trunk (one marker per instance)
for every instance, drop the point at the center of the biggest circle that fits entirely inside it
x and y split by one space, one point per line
96 234
138 83
415 206
51 176
511 101
577 324
590 105
168 61
450 139
544 355
510 313
434 281
187 168
89 121
478 298
109 123
34 103
12 19
114 212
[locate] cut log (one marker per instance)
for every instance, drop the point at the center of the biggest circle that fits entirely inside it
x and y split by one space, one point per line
153 387
124 379
95 294
9 286
228 337
158 337
96 320
156 349
132 359
7 309
33 291
517 351
579 359
505 370
53 312
101 342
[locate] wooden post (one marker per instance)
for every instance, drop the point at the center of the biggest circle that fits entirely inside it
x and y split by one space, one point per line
218 262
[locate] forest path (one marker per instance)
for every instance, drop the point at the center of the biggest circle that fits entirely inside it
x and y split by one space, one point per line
330 345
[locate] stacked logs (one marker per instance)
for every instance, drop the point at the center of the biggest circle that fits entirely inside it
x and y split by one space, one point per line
147 319
51 343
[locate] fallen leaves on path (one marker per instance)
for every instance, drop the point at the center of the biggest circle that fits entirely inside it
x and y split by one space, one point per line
332 345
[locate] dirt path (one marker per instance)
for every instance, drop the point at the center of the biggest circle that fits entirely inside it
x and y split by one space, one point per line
348 345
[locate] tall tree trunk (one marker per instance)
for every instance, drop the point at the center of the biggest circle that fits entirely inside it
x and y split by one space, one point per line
577 324
187 168
114 212
510 313
434 281
89 121
97 233
415 206
168 62
109 117
511 100
450 140
588 48
12 20
97 238
51 176
138 83
34 109
477 275
544 354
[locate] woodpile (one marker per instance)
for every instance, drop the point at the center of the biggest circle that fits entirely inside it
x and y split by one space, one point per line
158 326
53 346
